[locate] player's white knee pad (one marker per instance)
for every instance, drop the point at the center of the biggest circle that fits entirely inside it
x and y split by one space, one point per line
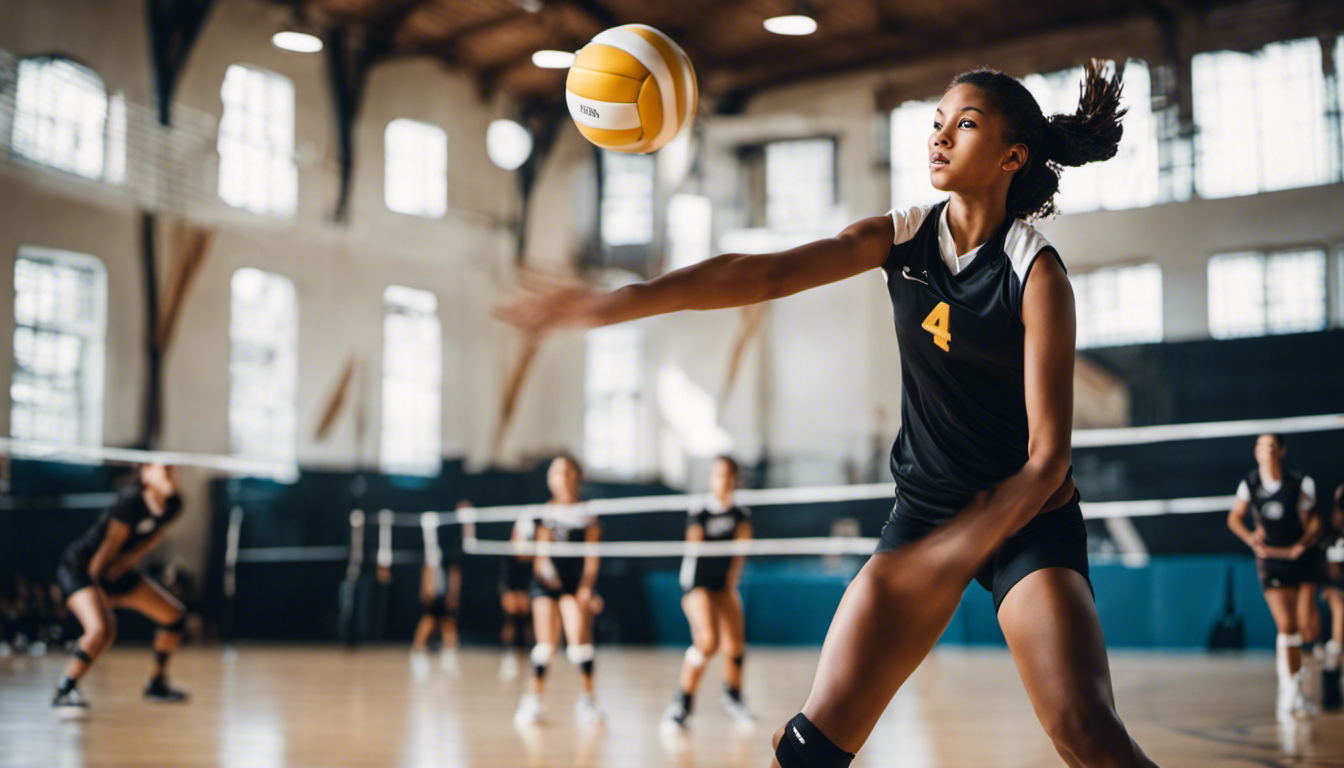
578 654
541 654
1289 641
695 657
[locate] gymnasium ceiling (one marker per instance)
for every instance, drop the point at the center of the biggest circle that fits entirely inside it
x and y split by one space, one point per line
493 40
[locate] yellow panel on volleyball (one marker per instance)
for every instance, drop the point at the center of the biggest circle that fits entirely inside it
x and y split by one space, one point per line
632 89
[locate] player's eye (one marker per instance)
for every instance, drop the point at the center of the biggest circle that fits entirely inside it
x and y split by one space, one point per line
965 124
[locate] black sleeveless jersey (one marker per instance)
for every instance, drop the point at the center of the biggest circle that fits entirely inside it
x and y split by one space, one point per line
718 525
130 508
1277 512
963 398
566 522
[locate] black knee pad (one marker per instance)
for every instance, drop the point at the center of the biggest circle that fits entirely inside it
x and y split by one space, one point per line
586 667
803 746
79 653
737 660
178 626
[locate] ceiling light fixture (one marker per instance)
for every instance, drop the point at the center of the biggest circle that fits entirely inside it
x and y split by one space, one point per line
508 144
798 23
299 42
552 59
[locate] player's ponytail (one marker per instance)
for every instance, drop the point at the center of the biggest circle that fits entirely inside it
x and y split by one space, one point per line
1090 134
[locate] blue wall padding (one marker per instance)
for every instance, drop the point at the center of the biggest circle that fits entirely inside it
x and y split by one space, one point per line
1173 602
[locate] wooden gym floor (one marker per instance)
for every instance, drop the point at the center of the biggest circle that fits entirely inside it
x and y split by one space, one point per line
267 706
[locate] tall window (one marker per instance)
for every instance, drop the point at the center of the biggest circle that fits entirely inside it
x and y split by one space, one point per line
256 142
263 366
1251 294
1261 118
799 184
627 199
911 126
60 116
1128 180
60 323
412 382
688 230
415 176
612 393
1118 306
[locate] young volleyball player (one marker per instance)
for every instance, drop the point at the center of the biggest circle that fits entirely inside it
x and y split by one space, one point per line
515 577
1283 504
562 592
985 326
440 593
97 574
710 599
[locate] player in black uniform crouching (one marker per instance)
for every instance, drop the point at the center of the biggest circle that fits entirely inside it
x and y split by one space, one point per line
710 599
985 325
1285 527
97 574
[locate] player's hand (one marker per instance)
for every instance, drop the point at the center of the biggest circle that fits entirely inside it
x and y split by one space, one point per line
584 595
544 303
1258 536
1260 550
1296 551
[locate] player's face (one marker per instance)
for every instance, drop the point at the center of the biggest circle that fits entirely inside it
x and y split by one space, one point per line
161 477
966 149
1267 449
722 479
563 479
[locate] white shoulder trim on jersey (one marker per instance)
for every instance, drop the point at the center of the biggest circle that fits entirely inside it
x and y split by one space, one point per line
1022 244
907 222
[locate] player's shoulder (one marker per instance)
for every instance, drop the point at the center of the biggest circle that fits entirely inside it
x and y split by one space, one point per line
1023 244
907 221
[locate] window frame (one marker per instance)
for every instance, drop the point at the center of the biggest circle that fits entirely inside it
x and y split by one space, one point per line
93 366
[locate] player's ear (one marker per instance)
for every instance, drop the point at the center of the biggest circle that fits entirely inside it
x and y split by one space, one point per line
1014 158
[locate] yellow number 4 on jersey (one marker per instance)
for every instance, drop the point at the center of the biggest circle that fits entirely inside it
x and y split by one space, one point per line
938 324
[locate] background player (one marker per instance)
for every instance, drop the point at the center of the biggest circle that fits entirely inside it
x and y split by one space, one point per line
987 398
1282 503
97 574
710 599
515 577
440 593
562 592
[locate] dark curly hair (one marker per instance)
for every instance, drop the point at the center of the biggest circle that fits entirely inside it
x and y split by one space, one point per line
1090 134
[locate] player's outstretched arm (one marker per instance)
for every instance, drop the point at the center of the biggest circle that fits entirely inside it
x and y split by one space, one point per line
729 280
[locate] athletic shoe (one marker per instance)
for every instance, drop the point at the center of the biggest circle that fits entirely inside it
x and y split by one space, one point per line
1331 698
676 714
158 689
1303 707
585 709
508 667
529 710
69 702
737 710
419 664
448 662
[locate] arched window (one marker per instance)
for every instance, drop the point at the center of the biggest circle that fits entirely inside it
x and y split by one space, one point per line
60 327
60 115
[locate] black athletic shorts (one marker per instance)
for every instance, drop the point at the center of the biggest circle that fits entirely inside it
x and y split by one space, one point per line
712 579
569 584
515 575
438 607
1288 573
73 576
1056 538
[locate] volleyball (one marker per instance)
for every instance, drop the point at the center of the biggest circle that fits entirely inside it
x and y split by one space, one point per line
631 89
